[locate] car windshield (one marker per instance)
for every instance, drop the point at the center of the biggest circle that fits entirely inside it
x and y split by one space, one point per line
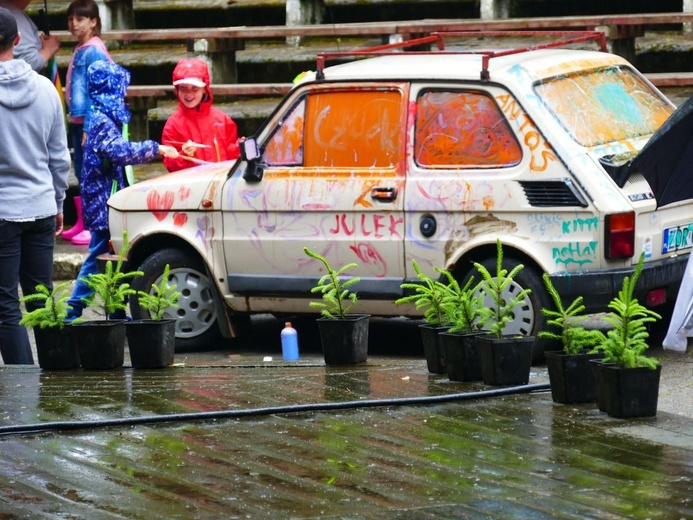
604 105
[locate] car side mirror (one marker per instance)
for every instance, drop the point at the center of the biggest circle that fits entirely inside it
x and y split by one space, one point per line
253 172
250 153
250 150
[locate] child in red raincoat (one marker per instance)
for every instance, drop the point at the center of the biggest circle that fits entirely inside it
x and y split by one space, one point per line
200 131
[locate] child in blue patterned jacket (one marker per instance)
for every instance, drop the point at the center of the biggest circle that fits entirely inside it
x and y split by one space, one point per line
106 153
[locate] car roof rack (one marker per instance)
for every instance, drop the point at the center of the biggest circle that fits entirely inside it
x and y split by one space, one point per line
438 38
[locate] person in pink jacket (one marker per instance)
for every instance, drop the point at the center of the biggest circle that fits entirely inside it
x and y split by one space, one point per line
84 22
200 131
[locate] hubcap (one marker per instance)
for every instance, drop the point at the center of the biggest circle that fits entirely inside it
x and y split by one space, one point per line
523 321
196 311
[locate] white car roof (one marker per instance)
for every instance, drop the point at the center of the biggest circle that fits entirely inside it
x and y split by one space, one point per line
533 65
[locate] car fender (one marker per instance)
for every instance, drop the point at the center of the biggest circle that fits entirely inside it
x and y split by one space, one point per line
190 189
516 246
178 207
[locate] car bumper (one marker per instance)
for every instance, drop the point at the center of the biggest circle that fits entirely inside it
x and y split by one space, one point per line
598 288
101 261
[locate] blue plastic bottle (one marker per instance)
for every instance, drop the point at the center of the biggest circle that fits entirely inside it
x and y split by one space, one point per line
289 343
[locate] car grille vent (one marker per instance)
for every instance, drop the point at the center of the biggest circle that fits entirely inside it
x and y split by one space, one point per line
559 192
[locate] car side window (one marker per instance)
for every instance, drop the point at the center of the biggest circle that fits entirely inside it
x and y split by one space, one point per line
340 129
285 147
462 129
354 128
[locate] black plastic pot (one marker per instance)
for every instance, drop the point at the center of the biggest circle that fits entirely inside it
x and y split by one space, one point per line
601 384
461 356
101 344
629 392
151 342
433 348
56 348
505 361
572 377
344 341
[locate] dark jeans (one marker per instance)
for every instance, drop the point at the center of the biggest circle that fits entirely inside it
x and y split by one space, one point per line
76 133
26 259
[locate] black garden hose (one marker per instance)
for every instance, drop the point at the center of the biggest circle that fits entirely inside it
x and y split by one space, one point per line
23 429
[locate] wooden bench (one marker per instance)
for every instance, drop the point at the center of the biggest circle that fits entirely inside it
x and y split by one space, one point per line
220 44
671 79
232 89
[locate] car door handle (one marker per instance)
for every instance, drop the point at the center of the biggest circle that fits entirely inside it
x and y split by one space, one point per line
384 193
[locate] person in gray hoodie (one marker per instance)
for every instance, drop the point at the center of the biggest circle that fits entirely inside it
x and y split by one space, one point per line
34 166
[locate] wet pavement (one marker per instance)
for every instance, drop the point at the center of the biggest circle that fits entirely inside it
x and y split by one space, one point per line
237 433
206 439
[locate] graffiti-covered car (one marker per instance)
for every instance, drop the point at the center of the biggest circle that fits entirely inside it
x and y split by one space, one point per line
428 156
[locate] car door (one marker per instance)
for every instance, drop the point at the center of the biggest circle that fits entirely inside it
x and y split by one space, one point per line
332 175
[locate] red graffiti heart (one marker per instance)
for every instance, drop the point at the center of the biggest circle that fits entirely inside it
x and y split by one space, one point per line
159 205
179 219
183 193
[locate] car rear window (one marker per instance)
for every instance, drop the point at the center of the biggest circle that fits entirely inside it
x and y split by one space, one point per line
604 105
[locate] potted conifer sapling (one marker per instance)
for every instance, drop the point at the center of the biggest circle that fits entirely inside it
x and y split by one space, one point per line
152 342
55 344
462 306
344 336
627 378
428 295
505 359
571 373
101 343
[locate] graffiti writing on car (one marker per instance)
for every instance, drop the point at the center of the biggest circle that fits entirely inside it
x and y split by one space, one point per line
370 258
575 253
375 225
580 224
544 224
542 154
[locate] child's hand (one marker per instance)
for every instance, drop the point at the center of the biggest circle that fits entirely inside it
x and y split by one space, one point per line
189 148
168 151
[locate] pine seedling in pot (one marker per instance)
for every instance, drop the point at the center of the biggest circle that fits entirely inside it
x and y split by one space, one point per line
338 299
428 296
574 337
163 297
54 310
626 342
111 289
499 312
462 305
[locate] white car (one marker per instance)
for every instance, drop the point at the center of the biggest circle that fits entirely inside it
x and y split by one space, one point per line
426 156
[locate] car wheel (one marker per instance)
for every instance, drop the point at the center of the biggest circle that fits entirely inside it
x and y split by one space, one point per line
196 314
529 319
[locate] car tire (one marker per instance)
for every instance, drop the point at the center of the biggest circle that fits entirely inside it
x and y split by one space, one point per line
196 315
529 320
